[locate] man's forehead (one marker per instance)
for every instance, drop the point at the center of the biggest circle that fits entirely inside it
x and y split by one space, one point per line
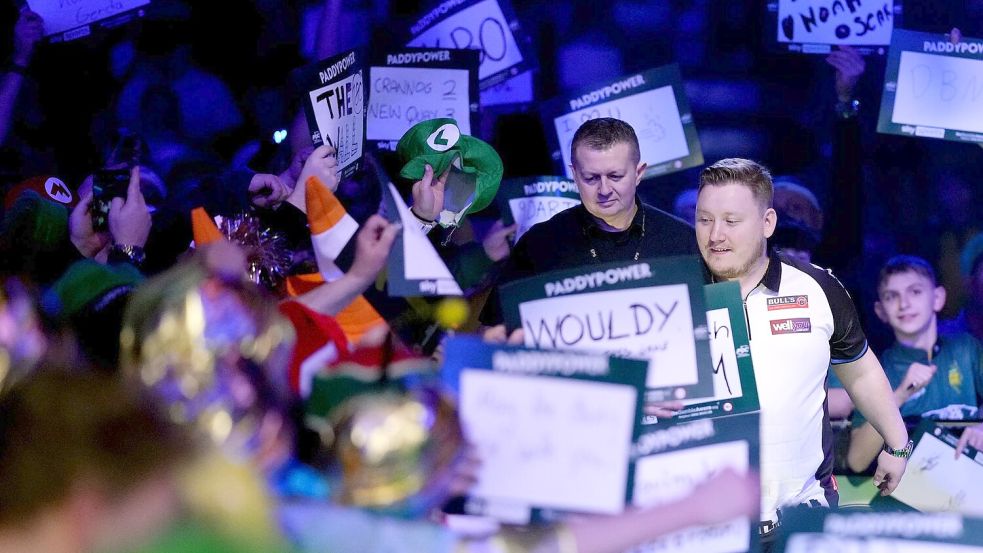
731 195
618 151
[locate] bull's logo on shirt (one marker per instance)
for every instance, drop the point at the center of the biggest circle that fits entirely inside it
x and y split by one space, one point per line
955 378
791 326
788 302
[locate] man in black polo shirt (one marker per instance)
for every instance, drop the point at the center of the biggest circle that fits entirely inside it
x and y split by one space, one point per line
610 225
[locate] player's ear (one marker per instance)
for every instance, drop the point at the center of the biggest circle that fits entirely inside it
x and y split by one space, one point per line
769 222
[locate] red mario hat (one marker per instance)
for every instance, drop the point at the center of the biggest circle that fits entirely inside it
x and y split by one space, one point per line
48 187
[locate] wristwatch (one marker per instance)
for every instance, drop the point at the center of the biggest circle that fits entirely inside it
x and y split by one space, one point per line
127 254
847 110
425 224
902 453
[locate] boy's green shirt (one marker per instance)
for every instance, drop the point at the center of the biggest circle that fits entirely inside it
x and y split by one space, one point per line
956 389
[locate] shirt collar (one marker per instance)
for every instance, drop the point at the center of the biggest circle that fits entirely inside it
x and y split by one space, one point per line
772 278
590 224
917 354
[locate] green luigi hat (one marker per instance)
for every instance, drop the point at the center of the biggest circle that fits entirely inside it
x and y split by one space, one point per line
476 168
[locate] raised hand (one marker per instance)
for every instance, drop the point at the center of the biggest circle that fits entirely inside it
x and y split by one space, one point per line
323 164
28 30
129 220
849 66
428 195
372 245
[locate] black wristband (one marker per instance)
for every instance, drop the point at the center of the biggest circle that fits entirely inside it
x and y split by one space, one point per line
422 220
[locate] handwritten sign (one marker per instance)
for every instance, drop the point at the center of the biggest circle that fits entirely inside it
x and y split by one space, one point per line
650 309
66 20
807 530
677 459
335 108
936 481
414 268
489 26
814 26
734 385
414 85
933 88
652 102
531 200
541 420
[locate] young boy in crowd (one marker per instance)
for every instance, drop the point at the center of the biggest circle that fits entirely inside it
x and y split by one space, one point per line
933 376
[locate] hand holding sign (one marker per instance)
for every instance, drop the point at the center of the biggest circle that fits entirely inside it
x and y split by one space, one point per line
663 409
973 437
297 162
498 335
849 66
323 164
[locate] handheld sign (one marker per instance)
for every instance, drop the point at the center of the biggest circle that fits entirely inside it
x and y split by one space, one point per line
935 480
807 530
335 108
735 389
933 88
414 268
671 461
648 309
531 200
543 420
489 26
653 102
69 20
416 84
815 26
